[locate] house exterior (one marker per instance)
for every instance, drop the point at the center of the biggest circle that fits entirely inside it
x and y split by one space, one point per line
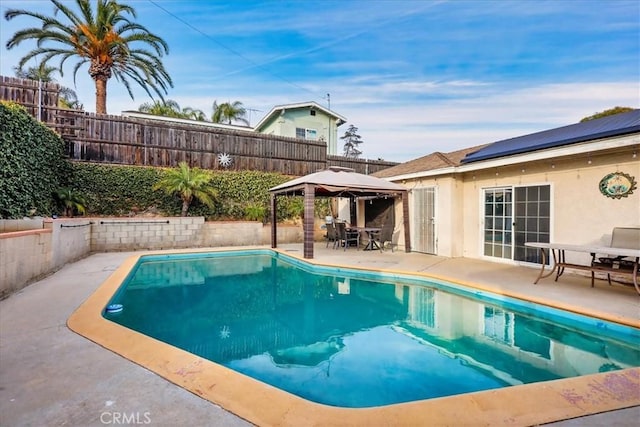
557 185
306 120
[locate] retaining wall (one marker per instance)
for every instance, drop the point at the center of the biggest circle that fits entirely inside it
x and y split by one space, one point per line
28 254
31 254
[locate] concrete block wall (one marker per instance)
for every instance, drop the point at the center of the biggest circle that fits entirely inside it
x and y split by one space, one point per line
24 256
286 234
232 233
130 234
10 225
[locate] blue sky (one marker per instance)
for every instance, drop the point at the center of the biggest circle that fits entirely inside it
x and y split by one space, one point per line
414 76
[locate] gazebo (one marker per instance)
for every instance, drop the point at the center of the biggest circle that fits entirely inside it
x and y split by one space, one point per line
335 182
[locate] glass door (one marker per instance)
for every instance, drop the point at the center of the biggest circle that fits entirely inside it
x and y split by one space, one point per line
514 216
498 210
532 221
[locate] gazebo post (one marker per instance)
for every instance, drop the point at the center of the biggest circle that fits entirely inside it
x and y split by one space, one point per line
405 219
308 223
274 222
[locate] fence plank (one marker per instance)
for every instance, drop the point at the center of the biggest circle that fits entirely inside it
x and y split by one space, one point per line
140 141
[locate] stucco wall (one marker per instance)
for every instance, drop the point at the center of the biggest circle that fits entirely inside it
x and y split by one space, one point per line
448 212
580 214
70 240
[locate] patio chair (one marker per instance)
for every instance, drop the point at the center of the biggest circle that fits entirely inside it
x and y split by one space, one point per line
346 237
332 234
389 237
621 237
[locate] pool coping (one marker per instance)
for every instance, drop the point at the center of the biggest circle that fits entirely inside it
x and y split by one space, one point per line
262 404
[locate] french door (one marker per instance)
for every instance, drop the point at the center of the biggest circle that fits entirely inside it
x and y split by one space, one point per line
423 226
514 216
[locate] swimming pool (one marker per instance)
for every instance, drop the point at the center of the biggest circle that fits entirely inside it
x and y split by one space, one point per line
262 404
353 338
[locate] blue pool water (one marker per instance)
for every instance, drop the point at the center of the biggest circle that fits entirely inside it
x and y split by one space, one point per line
353 338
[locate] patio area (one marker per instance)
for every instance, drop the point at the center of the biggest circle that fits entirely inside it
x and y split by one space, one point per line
51 376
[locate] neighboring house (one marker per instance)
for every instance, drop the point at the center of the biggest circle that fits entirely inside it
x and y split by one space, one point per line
306 120
485 202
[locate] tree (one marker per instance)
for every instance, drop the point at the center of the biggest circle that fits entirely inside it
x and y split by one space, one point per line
167 108
351 142
71 201
188 183
609 112
43 73
67 97
229 112
170 108
106 38
194 114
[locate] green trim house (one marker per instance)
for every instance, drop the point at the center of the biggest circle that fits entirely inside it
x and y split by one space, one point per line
305 120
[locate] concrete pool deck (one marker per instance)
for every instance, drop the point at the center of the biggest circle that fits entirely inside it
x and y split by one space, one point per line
49 375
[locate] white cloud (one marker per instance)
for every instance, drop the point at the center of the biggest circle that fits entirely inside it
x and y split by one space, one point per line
417 129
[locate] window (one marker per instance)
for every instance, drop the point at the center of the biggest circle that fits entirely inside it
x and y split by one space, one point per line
310 134
312 112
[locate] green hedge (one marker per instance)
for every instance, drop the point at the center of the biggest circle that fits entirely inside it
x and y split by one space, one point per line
32 164
126 190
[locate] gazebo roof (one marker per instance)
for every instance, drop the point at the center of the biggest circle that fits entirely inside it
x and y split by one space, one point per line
338 181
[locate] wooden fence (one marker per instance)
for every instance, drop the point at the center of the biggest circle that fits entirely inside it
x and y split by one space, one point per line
155 142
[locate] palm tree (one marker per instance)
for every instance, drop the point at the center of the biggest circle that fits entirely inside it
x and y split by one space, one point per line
188 183
171 108
229 112
71 201
43 73
69 99
194 114
105 38
168 108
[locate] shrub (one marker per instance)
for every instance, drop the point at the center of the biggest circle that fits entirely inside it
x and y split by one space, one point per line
121 190
32 164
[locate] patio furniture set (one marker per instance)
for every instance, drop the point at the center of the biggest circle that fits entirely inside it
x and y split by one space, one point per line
619 258
343 235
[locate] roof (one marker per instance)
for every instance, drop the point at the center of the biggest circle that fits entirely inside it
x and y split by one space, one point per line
431 161
615 125
337 181
278 109
148 116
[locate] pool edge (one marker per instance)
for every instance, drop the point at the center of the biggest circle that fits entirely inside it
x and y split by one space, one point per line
262 404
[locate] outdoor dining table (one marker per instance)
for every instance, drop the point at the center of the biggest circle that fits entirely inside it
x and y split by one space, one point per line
373 233
559 261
